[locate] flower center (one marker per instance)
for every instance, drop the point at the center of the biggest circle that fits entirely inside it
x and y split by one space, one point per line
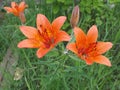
89 51
47 36
16 7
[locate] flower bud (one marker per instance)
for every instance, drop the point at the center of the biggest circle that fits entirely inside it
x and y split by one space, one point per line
75 16
22 18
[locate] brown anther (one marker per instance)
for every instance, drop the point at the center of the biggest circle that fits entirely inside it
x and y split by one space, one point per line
40 25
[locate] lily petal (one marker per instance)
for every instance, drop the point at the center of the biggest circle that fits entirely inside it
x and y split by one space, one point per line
29 43
92 34
22 6
80 37
43 23
30 32
8 9
72 47
62 36
42 51
89 61
58 22
15 8
14 4
102 60
102 47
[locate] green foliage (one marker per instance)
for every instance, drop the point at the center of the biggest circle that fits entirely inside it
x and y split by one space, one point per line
58 71
114 1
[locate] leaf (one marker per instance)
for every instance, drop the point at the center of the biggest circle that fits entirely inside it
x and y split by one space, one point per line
62 1
98 21
114 1
56 9
75 58
49 1
53 53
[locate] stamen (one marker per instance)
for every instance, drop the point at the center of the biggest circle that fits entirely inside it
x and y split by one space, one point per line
16 7
47 36
81 50
85 52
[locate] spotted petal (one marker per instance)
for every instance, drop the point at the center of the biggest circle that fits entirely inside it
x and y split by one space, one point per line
43 23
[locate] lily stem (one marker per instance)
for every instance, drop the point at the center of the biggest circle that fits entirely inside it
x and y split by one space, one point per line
72 35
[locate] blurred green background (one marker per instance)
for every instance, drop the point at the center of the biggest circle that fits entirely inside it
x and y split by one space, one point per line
57 71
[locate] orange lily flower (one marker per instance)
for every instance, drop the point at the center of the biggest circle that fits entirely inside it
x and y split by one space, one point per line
17 10
88 48
45 36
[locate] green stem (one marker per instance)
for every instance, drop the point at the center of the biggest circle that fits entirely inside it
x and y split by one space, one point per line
27 83
29 62
72 35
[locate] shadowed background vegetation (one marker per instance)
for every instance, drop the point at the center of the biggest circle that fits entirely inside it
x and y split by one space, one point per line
57 71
